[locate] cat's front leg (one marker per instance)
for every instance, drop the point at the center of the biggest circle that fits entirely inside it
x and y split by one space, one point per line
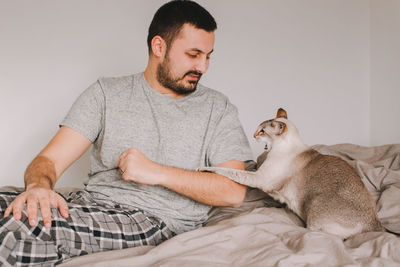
239 176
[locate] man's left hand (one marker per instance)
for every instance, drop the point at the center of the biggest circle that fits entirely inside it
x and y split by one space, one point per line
135 166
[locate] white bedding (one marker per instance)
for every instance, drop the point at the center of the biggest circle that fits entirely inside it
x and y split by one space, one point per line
263 233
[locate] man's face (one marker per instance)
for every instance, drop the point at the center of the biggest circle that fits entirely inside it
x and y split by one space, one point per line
186 60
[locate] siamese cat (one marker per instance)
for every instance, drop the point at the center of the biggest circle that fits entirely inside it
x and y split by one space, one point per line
323 190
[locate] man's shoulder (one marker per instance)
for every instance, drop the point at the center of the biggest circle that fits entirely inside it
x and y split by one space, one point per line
109 84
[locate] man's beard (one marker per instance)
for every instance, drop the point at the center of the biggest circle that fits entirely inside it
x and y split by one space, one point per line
165 78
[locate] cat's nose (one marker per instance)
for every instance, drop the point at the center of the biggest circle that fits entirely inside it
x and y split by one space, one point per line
256 134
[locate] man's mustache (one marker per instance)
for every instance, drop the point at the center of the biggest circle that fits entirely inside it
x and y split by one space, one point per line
194 73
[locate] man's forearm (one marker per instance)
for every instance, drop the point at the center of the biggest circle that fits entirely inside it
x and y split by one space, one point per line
40 172
208 188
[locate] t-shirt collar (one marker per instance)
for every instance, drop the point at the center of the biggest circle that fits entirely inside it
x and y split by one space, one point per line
147 87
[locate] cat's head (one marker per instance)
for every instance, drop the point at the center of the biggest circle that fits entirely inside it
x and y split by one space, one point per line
271 130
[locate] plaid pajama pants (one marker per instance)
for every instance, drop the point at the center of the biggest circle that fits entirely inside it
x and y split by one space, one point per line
89 228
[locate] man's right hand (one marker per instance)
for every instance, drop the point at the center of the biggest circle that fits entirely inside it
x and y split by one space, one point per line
43 172
34 197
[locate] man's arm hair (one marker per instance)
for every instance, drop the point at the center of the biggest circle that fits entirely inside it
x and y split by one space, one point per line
40 172
64 149
43 172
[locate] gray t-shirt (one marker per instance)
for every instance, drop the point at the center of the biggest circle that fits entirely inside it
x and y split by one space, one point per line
201 129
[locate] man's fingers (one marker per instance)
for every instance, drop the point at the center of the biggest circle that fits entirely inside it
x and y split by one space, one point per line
31 210
125 154
45 211
122 167
122 156
16 207
62 206
35 199
17 212
7 211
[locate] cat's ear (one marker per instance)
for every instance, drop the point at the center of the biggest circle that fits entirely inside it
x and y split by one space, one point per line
281 113
279 127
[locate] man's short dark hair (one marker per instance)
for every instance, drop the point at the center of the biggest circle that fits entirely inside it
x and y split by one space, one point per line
169 19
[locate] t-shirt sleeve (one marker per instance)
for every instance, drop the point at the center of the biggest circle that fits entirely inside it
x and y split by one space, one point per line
86 114
230 141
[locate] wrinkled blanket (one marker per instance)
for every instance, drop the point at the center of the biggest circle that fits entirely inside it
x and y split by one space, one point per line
263 232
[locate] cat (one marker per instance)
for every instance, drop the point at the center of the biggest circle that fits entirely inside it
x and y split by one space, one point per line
323 190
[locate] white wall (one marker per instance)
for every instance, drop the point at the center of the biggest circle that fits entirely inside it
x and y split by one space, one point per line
311 57
385 72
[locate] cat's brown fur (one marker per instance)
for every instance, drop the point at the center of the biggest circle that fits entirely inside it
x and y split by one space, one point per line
324 191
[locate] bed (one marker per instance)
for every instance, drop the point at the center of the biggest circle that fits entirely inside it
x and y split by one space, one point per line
263 232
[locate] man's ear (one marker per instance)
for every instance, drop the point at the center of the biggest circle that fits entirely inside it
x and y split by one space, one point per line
158 46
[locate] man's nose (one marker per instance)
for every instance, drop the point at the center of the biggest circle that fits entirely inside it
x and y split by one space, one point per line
202 65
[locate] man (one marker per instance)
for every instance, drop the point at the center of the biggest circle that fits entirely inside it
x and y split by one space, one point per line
149 131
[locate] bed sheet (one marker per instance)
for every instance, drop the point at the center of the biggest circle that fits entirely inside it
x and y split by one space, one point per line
263 232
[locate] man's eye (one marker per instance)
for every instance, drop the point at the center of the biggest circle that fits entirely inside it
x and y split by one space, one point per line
192 55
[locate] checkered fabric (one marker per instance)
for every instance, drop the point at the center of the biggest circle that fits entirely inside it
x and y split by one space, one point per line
89 228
